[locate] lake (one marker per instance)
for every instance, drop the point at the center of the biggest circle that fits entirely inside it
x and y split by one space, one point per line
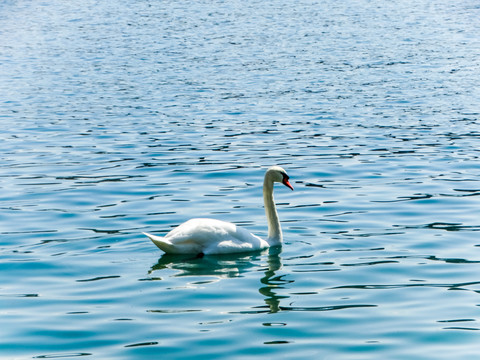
123 118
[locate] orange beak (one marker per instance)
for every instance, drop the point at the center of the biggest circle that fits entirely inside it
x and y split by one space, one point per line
287 183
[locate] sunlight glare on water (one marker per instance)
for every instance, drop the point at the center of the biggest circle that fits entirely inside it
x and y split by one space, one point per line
135 117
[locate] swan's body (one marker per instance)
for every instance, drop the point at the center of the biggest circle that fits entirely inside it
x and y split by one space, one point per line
210 236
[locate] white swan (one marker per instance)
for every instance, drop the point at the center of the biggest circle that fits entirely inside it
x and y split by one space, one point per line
209 236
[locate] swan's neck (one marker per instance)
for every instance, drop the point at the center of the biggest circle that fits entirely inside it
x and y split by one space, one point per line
274 229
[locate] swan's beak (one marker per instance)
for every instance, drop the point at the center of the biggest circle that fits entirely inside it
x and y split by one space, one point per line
287 183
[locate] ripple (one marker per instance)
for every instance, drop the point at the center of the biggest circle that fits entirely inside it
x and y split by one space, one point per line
20 295
170 311
267 309
100 278
60 356
151 343
459 286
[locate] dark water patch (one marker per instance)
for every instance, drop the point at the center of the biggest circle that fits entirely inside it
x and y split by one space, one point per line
455 320
441 226
413 197
311 263
315 270
371 249
345 213
452 260
160 213
304 206
99 278
77 312
112 216
459 286
62 356
98 179
305 293
435 258
151 278
103 231
371 234
370 263
28 232
172 311
215 322
267 309
315 185
150 343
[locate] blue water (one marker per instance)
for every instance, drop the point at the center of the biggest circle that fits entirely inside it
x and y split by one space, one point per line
118 118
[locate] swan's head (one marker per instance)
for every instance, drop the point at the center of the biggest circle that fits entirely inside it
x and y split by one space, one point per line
278 174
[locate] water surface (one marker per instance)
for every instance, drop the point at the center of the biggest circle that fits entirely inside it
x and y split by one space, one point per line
118 119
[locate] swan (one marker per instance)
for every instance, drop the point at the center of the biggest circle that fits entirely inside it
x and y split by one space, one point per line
203 236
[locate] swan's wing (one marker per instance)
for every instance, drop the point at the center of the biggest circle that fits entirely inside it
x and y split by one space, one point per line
235 246
211 236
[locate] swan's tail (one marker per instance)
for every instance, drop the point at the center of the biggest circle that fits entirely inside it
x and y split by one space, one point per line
161 243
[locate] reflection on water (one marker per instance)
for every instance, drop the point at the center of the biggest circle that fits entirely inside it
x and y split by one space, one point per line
221 266
272 283
273 287
230 266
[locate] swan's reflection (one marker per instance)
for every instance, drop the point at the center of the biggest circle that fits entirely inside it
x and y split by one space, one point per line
272 281
230 266
221 266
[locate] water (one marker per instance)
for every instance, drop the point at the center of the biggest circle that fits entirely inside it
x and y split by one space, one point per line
122 118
